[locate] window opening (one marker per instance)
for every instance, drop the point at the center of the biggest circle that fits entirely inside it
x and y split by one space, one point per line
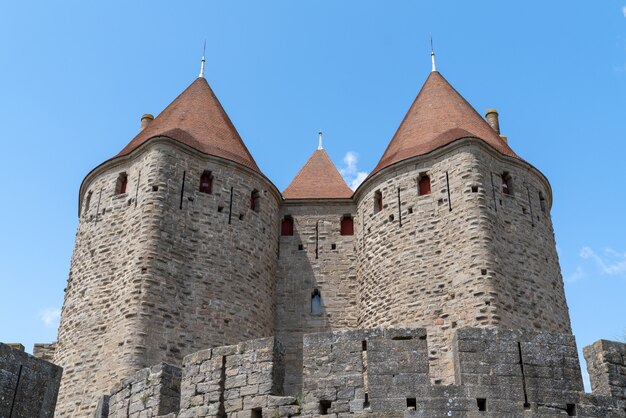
411 404
424 184
481 403
378 201
507 183
571 409
286 227
324 407
88 200
347 225
206 182
542 202
316 302
122 182
255 200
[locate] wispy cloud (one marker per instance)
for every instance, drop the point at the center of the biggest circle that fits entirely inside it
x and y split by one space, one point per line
609 261
624 11
50 316
350 171
576 275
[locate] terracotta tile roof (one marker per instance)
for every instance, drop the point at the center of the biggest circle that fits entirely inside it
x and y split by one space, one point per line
196 118
318 179
438 116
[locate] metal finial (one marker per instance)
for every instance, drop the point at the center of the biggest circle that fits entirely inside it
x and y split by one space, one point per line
202 65
319 145
432 53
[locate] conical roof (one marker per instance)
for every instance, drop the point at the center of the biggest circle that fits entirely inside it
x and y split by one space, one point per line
196 118
438 116
318 179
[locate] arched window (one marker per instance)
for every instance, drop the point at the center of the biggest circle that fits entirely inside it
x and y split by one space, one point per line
206 182
286 227
88 200
316 302
120 185
507 183
255 200
423 184
378 201
347 225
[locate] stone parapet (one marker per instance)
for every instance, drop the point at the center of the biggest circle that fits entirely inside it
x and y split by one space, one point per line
28 385
606 364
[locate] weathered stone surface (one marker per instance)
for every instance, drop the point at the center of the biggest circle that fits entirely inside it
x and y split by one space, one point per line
28 385
606 364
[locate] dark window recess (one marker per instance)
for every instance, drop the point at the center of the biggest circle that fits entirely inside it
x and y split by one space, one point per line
122 182
483 271
402 338
571 409
411 404
481 403
206 182
364 345
286 226
155 188
220 208
256 413
474 189
324 407
255 201
542 202
347 225
378 201
333 246
507 183
410 210
391 218
316 302
366 402
241 216
300 247
88 200
424 185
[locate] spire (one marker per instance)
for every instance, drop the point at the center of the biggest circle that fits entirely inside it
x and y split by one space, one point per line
432 53
196 118
318 179
438 116
319 145
202 65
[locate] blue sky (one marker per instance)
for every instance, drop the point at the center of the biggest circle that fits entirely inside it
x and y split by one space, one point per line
75 79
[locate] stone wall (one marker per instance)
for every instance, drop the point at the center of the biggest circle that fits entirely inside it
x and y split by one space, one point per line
150 392
28 386
318 257
164 270
44 351
448 259
606 364
383 373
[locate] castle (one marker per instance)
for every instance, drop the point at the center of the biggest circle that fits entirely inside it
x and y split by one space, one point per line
197 288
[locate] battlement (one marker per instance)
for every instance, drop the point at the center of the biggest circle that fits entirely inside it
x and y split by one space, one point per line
381 373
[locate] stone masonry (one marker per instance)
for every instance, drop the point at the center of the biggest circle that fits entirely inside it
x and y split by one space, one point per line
28 385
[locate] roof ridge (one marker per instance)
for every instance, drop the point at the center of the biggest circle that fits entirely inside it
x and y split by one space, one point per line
318 178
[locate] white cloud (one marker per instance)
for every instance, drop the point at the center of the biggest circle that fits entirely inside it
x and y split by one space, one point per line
50 316
609 262
350 171
576 275
624 10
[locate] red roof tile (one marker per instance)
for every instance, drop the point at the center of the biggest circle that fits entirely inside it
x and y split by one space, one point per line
196 118
318 179
438 116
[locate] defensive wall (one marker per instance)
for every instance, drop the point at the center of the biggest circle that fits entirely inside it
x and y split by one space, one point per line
382 373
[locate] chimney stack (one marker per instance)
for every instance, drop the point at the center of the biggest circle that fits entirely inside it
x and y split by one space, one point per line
492 119
145 121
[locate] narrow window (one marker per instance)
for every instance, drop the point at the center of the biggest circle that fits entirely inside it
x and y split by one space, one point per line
542 202
411 404
256 413
482 404
120 185
254 200
316 302
424 184
571 409
347 225
378 201
507 183
286 227
324 407
88 200
206 182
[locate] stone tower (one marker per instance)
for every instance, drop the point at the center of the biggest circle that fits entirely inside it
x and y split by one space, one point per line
183 245
175 251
